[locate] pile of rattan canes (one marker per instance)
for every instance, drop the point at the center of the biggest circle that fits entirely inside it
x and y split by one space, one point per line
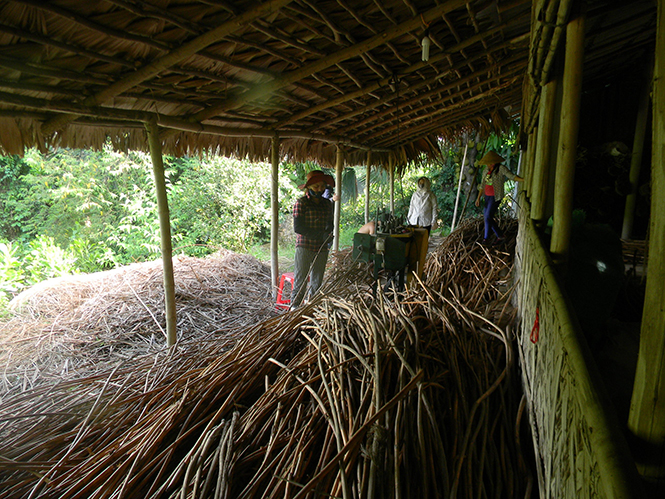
84 324
356 394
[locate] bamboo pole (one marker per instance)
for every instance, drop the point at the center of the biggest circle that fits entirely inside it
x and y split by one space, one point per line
367 183
164 229
274 222
647 409
562 16
339 165
539 187
636 158
532 145
459 185
391 166
567 147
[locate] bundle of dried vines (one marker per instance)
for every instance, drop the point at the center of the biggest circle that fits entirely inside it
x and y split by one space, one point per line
402 395
81 324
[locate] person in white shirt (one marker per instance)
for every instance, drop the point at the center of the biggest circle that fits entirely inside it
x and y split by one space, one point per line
423 208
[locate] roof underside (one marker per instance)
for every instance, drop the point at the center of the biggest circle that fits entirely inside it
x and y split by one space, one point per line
227 76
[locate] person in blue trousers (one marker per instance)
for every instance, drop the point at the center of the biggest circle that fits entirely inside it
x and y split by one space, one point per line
493 178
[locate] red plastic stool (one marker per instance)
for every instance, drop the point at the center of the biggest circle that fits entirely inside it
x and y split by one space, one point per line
284 303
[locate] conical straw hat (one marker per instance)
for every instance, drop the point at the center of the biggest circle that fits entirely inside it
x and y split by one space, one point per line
491 158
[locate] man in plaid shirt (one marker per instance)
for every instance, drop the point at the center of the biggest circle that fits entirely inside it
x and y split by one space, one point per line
313 217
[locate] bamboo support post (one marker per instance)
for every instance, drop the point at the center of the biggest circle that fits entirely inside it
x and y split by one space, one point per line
339 165
547 28
459 186
164 229
274 222
647 408
532 144
567 146
539 187
636 158
392 165
562 16
367 184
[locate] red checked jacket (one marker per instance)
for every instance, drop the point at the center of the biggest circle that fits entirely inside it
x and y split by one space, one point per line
313 223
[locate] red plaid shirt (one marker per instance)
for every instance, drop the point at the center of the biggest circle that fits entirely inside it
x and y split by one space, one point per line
313 223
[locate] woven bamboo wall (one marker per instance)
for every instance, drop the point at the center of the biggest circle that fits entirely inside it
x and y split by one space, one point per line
580 450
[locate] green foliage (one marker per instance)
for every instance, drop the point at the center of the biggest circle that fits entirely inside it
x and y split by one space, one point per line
11 272
226 202
46 260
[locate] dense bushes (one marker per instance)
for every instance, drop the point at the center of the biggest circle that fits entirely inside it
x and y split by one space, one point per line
82 211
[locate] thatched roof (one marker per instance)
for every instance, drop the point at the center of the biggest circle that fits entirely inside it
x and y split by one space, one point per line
228 75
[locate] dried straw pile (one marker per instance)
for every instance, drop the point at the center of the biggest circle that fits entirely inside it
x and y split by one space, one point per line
410 395
80 324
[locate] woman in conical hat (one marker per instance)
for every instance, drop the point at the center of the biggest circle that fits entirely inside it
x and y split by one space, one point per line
493 178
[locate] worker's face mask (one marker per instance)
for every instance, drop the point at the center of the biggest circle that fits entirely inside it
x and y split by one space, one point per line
315 194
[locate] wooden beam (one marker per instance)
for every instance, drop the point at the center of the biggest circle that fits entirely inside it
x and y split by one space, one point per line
100 28
145 9
391 171
179 54
169 122
164 230
274 219
427 114
38 69
460 116
356 50
567 147
74 49
515 65
386 81
647 408
339 166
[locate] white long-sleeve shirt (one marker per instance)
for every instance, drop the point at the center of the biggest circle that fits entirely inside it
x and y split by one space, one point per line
423 209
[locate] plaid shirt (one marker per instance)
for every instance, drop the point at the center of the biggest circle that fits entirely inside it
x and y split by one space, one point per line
313 223
496 180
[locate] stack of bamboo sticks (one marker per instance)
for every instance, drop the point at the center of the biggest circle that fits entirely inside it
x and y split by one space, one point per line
411 394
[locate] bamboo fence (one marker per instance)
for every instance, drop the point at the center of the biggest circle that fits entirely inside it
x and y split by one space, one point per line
580 445
355 394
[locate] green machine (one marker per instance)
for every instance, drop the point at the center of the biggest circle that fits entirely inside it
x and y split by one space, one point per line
398 249
386 251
